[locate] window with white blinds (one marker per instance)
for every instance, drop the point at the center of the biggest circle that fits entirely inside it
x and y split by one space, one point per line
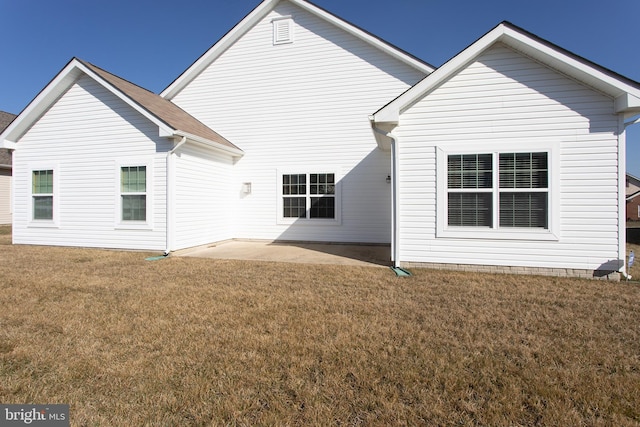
498 190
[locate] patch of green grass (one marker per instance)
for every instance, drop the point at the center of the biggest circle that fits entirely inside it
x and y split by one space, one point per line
187 341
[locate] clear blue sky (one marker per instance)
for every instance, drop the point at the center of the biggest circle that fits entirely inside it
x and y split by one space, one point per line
150 42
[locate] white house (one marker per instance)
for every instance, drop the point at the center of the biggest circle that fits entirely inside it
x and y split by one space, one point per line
297 125
5 173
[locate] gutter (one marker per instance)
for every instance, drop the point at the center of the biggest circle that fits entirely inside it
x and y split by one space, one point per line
170 195
235 152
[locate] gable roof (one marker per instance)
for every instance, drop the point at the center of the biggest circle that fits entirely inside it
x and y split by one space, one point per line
5 155
258 14
170 119
625 91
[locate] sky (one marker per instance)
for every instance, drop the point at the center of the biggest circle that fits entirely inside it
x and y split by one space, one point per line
151 42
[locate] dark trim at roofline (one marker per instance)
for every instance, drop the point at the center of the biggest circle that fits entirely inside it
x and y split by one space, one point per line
44 87
575 56
540 40
210 47
374 36
318 7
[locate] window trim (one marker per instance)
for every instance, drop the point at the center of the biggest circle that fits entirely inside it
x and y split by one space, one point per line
54 221
281 219
443 230
119 223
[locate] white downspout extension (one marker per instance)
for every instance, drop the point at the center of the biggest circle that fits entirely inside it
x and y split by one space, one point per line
170 217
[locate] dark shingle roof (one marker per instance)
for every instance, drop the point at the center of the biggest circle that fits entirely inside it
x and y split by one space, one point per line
165 110
5 119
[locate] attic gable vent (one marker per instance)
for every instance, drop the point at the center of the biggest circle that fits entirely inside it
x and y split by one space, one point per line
282 30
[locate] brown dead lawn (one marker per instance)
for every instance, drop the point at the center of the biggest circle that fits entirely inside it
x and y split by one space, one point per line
199 342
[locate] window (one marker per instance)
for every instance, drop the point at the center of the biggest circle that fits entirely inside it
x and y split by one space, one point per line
309 196
133 193
42 193
523 190
470 183
498 190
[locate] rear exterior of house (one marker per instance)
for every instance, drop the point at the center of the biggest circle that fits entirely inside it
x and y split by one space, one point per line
510 157
298 100
522 171
298 107
68 174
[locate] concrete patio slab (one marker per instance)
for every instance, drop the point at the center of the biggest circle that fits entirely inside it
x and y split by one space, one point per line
304 253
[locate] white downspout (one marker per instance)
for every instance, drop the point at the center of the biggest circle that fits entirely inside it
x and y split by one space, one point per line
395 222
170 214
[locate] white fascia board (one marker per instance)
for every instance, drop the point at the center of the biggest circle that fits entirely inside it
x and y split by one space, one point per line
4 143
260 12
233 152
40 104
627 103
568 65
545 54
391 112
163 128
219 48
363 35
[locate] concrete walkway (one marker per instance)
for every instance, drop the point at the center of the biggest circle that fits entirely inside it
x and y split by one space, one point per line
304 253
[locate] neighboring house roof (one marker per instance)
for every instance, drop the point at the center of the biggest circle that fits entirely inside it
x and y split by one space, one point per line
5 155
632 185
258 14
171 119
632 196
625 91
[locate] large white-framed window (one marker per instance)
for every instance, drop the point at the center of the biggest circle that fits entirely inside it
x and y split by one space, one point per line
133 204
43 182
312 197
501 193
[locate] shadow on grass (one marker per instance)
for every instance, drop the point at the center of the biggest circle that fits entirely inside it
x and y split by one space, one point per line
633 235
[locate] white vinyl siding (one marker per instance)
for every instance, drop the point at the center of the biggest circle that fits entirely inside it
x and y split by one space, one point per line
302 103
205 195
5 196
85 133
506 102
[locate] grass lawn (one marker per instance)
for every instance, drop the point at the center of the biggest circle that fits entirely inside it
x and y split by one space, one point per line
186 341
